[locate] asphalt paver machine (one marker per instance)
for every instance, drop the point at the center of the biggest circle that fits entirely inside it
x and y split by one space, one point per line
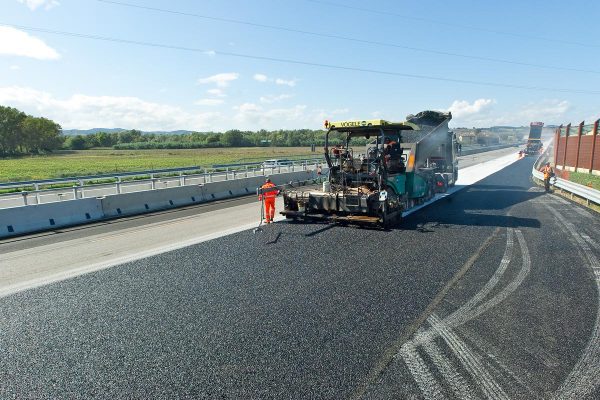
379 169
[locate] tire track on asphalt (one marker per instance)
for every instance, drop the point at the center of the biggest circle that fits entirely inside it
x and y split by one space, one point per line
421 373
583 378
507 290
474 308
472 363
481 345
394 349
463 314
427 335
470 310
457 383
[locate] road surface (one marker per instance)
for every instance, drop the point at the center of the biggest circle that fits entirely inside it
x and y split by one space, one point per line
490 293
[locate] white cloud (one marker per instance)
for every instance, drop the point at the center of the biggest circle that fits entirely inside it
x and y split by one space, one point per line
85 112
290 83
462 108
216 92
221 80
545 110
319 116
258 117
376 114
271 98
14 68
15 42
260 77
34 4
209 102
482 113
277 81
210 53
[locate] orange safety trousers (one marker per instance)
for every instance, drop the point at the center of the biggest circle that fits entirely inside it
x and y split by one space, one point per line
269 208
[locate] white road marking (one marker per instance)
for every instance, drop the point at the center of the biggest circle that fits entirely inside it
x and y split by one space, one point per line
420 372
583 379
469 360
469 176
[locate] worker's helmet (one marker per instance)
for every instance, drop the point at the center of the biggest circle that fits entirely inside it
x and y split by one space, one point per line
548 163
268 180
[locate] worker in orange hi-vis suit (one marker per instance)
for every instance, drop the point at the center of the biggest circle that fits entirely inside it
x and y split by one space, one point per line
269 199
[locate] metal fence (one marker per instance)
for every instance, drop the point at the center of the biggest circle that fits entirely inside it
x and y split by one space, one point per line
38 192
577 148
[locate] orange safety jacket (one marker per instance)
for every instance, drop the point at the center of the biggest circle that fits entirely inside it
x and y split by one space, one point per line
270 194
547 170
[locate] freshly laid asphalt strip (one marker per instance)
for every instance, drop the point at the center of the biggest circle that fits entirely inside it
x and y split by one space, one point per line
297 311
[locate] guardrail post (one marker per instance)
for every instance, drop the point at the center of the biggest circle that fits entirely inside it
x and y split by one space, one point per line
226 173
233 172
118 185
75 196
181 179
24 198
36 186
566 142
594 137
579 131
556 143
246 171
82 194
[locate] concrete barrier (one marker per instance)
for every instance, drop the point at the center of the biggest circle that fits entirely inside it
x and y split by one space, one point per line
483 149
150 200
39 217
34 218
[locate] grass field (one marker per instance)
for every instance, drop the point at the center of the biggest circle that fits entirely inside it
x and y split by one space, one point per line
590 180
93 162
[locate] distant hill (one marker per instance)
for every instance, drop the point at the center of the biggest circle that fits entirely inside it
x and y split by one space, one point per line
74 132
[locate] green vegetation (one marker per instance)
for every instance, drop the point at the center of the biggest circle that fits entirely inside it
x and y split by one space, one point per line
137 140
21 133
590 180
107 161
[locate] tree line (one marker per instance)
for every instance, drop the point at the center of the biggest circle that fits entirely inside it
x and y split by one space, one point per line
21 133
24 134
136 140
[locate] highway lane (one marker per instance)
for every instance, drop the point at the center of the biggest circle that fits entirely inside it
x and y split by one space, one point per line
45 257
475 295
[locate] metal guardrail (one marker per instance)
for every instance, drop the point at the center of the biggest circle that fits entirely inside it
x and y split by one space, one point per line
152 173
582 191
175 178
590 194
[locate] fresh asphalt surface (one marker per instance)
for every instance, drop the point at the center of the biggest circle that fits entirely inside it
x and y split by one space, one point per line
499 275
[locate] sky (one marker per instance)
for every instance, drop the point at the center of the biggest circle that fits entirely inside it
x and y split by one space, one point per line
214 65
